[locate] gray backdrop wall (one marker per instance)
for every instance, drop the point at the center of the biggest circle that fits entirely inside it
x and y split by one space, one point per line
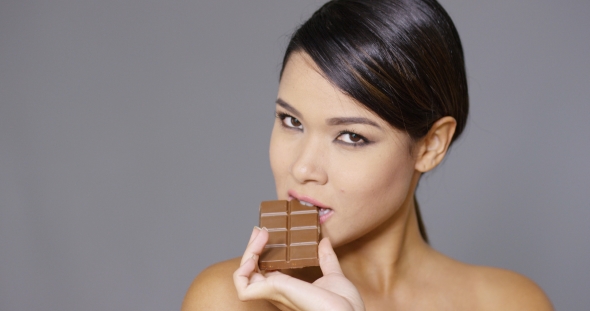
133 145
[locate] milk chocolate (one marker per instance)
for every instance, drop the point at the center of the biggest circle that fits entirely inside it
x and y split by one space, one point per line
294 232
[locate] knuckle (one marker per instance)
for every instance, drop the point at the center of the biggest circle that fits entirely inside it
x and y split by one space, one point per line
242 297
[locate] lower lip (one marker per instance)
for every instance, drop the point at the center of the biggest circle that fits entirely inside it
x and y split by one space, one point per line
325 217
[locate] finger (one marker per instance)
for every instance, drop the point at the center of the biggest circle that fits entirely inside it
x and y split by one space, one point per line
254 234
276 287
242 276
328 259
300 295
293 293
256 246
253 286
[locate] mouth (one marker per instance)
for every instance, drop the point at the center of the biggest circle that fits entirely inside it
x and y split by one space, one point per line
324 211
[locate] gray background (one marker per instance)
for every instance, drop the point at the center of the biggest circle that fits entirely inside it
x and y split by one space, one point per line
133 145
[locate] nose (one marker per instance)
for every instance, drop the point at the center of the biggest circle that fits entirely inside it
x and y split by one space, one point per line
309 163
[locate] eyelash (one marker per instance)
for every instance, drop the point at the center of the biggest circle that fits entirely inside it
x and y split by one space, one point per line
282 116
364 141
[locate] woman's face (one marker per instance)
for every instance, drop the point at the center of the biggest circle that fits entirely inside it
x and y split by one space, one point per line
330 151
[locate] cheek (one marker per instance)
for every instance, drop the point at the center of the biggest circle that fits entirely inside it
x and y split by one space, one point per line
368 196
379 186
279 158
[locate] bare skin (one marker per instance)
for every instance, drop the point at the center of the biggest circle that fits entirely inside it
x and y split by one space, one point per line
328 149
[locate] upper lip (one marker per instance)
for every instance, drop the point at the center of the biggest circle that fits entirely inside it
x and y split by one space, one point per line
295 195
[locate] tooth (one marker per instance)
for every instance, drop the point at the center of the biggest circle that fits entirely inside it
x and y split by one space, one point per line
305 203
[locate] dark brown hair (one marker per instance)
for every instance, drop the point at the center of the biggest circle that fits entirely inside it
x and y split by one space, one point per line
402 59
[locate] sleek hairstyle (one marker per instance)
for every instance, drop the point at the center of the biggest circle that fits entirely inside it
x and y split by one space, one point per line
402 59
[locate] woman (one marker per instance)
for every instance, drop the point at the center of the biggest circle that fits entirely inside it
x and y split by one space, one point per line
371 96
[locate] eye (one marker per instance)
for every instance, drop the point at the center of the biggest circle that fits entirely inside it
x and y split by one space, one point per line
351 138
289 121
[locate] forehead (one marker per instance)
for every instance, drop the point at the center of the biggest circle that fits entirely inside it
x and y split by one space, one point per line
303 86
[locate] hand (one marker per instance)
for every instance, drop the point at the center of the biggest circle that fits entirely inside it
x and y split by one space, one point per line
331 292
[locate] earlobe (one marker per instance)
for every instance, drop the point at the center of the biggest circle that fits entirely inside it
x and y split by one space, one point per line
434 145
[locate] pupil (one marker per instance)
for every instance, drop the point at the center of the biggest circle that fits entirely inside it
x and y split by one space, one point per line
295 122
354 137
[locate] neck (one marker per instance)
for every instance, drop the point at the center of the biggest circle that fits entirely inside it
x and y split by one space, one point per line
380 260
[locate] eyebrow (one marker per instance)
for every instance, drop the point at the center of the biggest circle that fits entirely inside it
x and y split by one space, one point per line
288 107
331 121
351 120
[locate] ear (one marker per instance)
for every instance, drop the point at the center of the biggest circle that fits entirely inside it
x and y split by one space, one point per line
432 148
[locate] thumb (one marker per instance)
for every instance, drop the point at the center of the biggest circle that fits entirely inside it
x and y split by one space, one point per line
328 260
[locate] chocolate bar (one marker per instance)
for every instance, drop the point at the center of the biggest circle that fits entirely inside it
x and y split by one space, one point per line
294 233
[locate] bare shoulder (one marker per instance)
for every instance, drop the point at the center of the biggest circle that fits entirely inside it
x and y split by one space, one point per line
499 289
213 289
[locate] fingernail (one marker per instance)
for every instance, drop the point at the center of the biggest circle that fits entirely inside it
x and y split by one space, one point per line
265 229
256 227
